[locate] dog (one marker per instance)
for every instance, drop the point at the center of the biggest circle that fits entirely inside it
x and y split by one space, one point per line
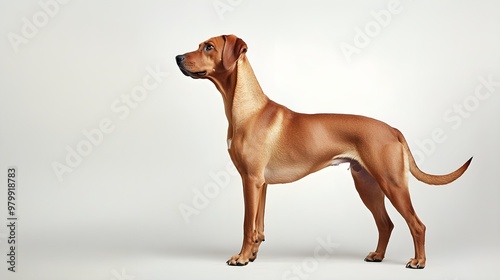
271 144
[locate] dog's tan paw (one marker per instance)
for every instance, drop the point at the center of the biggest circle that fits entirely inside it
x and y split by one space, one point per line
237 260
416 263
374 257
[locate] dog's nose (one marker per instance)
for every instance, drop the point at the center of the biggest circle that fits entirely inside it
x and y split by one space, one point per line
179 59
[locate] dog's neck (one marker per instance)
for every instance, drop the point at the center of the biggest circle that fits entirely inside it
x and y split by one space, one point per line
242 94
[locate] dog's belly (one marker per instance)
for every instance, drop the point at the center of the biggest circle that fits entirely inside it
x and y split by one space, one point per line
284 174
290 173
280 174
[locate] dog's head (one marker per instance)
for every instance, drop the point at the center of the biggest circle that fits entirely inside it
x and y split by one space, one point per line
213 57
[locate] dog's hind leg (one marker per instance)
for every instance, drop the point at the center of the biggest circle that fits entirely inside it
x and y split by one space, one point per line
373 197
393 181
400 198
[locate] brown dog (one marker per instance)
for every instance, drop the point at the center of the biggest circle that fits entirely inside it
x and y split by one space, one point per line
270 144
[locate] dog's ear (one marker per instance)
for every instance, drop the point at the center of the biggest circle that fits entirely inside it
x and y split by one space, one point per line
233 48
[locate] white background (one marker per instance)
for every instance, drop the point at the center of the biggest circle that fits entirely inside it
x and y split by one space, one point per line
117 214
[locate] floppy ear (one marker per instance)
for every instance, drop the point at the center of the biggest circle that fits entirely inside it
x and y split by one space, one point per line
233 48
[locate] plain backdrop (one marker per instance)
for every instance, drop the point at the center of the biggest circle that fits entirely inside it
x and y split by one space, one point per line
153 194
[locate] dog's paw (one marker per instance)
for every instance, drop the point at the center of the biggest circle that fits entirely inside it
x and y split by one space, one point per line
237 260
416 263
374 257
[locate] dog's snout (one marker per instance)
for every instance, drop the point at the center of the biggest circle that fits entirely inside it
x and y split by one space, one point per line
180 59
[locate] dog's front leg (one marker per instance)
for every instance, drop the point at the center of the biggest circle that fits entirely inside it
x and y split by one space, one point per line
252 190
259 222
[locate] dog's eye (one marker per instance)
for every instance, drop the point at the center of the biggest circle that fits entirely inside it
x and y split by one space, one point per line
208 47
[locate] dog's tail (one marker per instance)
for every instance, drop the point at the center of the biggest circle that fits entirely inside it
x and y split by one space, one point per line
430 178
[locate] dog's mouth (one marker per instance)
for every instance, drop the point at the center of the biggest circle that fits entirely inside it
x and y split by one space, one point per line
199 74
